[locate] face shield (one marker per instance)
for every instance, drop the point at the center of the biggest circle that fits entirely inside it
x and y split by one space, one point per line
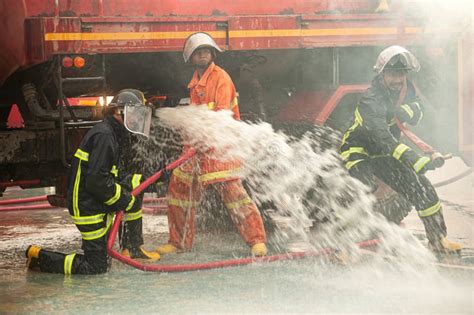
137 119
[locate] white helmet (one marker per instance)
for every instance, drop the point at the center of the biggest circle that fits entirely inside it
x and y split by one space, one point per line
396 57
198 40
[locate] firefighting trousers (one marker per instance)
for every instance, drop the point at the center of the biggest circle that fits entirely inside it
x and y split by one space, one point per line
95 259
183 198
415 188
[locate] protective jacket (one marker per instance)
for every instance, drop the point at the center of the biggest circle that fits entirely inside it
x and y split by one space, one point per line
94 182
95 192
371 147
374 131
216 90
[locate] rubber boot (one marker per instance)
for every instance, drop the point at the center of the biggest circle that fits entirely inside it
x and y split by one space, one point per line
167 249
259 249
32 255
445 246
141 253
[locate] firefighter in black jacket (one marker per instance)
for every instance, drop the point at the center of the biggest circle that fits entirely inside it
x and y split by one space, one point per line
371 146
96 191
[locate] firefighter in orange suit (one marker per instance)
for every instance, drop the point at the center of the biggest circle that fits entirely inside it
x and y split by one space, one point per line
210 85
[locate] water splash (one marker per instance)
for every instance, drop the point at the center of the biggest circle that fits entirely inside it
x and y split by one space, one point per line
298 182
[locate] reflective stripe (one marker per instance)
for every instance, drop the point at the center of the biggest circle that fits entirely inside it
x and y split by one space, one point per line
91 219
114 170
234 103
357 122
185 177
430 211
239 203
392 122
133 216
347 153
419 109
93 235
408 110
358 117
68 263
82 155
399 150
130 204
182 203
420 163
219 175
351 164
136 178
211 105
116 196
75 193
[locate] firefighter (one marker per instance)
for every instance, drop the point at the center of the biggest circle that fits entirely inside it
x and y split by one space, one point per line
371 146
212 86
96 191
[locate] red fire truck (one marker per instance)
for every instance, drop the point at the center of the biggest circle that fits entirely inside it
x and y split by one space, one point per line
307 59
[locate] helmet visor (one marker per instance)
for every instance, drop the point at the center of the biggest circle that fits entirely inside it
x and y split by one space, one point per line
137 119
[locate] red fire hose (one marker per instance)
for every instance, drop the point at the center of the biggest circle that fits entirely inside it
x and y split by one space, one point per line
208 265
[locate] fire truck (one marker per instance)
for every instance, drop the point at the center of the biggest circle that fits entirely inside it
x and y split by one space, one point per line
306 61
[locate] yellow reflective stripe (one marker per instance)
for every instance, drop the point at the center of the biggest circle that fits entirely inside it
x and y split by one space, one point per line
357 122
182 203
347 153
114 170
136 178
75 193
133 216
85 220
234 103
419 109
130 204
68 263
358 117
93 235
218 175
430 211
408 110
399 150
392 122
185 177
420 163
211 105
82 155
239 203
351 164
116 196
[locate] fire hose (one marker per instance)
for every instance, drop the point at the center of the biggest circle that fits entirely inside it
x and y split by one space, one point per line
426 148
209 265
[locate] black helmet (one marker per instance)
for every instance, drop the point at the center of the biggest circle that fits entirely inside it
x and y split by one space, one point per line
128 97
136 112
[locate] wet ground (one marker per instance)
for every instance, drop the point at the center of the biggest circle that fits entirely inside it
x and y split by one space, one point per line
303 286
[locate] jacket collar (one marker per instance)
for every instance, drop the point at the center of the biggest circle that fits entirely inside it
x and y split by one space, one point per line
203 80
118 129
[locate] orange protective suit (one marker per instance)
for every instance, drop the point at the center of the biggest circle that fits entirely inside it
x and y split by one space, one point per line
214 88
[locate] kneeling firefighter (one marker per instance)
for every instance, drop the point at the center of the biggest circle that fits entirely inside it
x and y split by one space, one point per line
371 147
96 191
